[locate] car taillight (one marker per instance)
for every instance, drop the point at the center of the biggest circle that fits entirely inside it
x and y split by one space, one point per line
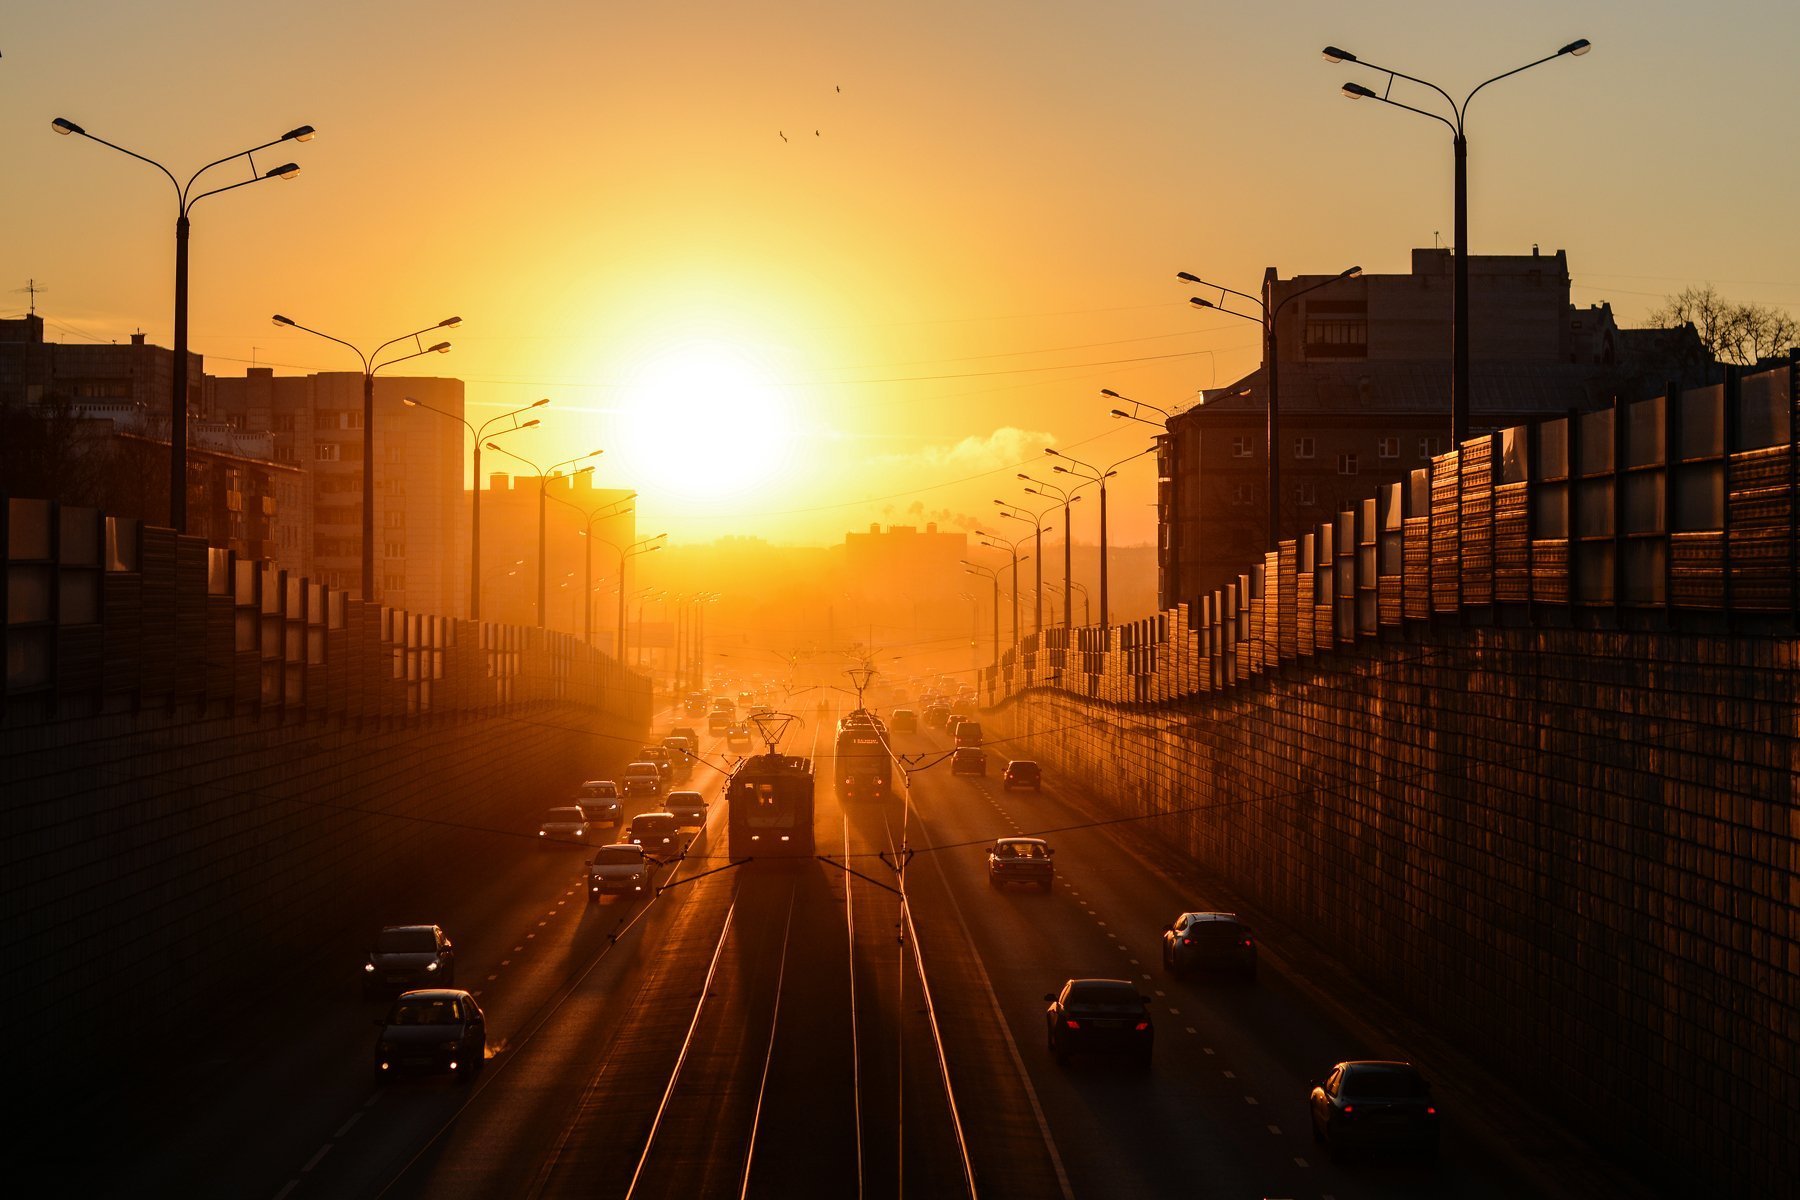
1348 1109
1431 1110
1072 1023
1187 941
1143 1025
1248 942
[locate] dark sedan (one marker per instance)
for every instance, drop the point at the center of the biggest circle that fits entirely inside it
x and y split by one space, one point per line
1022 772
969 760
406 956
1209 941
1374 1105
1100 1016
431 1032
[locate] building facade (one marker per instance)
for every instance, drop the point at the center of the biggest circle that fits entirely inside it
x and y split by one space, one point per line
1365 397
571 506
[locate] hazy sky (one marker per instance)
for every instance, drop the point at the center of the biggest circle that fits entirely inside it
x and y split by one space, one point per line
796 337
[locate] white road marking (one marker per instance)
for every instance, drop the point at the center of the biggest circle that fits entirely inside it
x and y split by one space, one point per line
1190 1029
283 1193
345 1127
1160 992
1175 1012
1136 963
1146 977
372 1101
506 962
1301 1162
517 949
491 978
1275 1129
314 1161
1249 1099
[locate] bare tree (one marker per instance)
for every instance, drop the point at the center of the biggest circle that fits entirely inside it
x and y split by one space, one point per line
1732 333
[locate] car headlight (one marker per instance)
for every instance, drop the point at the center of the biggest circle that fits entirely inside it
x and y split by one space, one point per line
369 966
431 966
540 833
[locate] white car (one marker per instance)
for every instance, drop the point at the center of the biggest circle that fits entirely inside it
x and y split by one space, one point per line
642 778
620 868
688 808
599 799
566 824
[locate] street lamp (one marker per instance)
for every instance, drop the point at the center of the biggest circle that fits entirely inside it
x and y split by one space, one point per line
996 542
993 577
543 475
1093 474
184 204
641 546
1459 309
1036 521
370 366
1064 497
1272 369
475 511
600 513
1135 405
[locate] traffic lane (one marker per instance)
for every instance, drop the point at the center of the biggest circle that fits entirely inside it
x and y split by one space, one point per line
1270 1037
495 1136
1113 1123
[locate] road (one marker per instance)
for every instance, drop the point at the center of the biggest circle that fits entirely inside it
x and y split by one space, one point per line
769 1032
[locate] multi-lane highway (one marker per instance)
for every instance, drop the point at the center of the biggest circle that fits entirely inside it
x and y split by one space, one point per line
770 1032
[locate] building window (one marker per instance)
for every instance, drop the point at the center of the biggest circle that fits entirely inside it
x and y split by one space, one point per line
1306 493
1429 446
1240 447
1242 496
327 452
1303 447
1346 464
282 422
1337 338
1390 447
349 420
394 519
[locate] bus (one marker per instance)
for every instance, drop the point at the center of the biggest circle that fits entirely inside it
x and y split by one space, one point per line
769 808
864 768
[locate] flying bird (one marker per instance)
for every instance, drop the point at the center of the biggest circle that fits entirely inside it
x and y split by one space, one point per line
836 88
783 136
815 133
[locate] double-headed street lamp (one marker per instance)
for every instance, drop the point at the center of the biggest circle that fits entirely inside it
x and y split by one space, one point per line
1093 474
543 474
1064 497
1036 521
370 366
185 199
1459 312
1268 315
1011 546
475 510
992 576
599 513
641 546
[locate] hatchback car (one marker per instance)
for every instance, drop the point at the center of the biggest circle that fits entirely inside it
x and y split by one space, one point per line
969 760
1374 1105
688 808
1021 860
566 824
657 833
1105 1016
1209 941
1022 772
621 868
642 779
599 799
430 1032
406 956
906 721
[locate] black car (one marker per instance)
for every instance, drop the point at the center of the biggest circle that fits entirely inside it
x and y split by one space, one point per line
1209 941
405 956
1021 860
657 832
1374 1105
1099 1016
969 760
1022 772
936 715
906 721
431 1032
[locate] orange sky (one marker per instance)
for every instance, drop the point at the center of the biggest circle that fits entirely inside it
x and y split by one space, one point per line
793 338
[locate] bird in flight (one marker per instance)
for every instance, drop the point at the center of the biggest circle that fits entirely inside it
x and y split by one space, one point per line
815 133
783 136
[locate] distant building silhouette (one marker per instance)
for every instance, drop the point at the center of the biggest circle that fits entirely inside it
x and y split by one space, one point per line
1365 396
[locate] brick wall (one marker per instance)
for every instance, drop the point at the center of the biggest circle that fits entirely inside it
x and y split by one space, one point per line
1575 852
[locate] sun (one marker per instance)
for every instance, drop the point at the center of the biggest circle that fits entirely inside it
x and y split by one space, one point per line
704 420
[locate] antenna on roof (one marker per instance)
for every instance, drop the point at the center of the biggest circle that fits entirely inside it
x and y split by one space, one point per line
34 289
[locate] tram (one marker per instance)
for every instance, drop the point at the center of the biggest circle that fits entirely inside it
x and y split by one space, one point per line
862 769
769 808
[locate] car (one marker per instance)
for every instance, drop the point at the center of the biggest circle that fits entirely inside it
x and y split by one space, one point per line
658 833
599 799
1372 1105
1209 941
725 704
1022 772
431 1031
718 721
906 721
968 732
406 956
685 731
688 808
936 715
642 778
746 698
681 755
951 721
618 868
738 737
1021 860
659 754
1099 1016
568 823
969 760
694 704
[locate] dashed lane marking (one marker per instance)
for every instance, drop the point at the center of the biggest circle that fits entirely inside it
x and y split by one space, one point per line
1175 1012
1209 1049
1190 1029
1301 1162
284 1192
314 1160
506 962
345 1127
372 1101
1249 1099
491 978
1160 992
518 949
1275 1129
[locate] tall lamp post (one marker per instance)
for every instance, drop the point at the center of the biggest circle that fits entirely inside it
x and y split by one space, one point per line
475 503
1036 521
600 513
370 366
1267 316
626 553
1093 474
996 542
543 475
993 577
1063 497
1459 310
185 199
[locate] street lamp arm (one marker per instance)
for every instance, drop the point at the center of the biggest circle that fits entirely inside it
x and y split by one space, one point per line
1577 48
290 322
1198 302
288 170
1357 91
1346 273
1189 277
303 134
65 126
1333 54
439 348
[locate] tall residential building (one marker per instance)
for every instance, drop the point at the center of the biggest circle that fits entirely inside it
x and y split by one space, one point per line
1365 397
509 552
421 511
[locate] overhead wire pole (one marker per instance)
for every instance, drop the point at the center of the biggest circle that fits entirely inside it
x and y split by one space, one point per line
475 492
184 205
